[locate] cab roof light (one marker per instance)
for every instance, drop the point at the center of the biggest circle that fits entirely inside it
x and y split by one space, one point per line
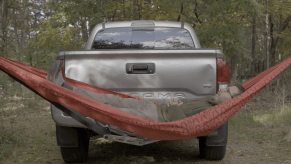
143 23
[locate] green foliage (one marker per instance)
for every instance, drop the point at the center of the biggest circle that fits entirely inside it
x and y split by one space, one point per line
221 22
39 29
54 37
50 39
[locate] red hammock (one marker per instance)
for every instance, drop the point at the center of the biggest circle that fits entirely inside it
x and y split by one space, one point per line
190 127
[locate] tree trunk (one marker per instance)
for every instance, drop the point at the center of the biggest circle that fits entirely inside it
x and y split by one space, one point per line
4 13
241 71
280 59
113 16
179 17
266 39
24 35
123 10
18 85
3 48
252 72
135 8
36 97
274 40
233 69
147 14
259 67
139 11
280 51
264 65
224 47
273 44
84 29
36 48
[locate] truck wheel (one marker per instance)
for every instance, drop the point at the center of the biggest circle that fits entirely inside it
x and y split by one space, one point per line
211 152
214 148
77 154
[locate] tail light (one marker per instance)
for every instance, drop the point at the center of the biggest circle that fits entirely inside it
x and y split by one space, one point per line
222 74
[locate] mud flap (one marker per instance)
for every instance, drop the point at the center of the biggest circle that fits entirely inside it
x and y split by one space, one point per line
67 136
220 139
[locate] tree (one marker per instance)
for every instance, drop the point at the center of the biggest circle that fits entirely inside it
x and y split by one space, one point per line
4 13
33 31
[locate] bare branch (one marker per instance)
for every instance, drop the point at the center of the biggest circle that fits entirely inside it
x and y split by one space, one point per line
196 13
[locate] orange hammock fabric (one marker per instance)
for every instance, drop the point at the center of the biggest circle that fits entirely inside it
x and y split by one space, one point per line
190 127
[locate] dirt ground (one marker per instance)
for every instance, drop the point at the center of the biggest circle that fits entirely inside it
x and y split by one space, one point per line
30 138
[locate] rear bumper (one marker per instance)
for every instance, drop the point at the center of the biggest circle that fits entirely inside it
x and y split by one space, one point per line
62 119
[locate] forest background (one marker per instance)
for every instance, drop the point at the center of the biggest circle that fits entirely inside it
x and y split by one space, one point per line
253 34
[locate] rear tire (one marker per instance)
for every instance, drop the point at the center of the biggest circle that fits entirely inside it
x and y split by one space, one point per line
211 152
77 154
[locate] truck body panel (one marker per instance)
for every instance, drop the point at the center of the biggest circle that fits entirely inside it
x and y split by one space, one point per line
176 73
155 74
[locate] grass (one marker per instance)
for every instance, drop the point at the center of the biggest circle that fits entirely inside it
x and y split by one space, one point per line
241 122
272 118
273 112
8 142
11 107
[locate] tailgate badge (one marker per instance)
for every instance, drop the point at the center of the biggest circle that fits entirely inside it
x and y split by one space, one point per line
207 85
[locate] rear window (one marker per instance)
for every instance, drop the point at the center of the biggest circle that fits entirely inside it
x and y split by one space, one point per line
143 38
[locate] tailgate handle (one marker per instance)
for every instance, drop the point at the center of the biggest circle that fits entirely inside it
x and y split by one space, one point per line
140 68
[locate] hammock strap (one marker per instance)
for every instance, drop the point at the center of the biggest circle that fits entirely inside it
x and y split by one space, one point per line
190 127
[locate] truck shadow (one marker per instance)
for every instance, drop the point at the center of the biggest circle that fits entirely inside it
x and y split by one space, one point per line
181 151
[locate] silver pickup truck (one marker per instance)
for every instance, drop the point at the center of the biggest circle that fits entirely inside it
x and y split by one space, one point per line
155 60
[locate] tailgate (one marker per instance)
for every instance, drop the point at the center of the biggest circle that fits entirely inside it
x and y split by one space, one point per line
157 75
